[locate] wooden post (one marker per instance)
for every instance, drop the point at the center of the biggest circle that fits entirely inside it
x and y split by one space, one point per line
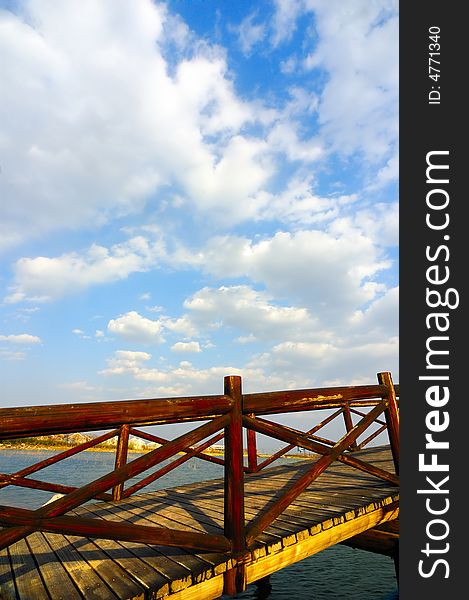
392 417
252 448
349 424
234 525
121 458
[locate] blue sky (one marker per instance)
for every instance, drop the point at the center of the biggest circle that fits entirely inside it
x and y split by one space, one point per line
193 189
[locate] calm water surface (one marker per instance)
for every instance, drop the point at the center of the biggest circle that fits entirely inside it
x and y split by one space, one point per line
335 573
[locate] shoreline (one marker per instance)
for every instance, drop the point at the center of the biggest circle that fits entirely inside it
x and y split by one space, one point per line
61 448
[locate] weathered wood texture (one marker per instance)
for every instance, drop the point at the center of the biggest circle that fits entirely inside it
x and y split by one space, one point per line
92 416
339 505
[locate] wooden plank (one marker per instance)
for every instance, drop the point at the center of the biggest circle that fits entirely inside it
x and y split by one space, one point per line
81 526
177 566
321 512
28 580
211 510
56 579
7 585
269 564
88 582
176 575
110 571
202 566
203 513
208 590
325 511
311 500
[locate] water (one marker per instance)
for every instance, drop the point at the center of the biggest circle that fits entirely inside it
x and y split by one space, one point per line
337 573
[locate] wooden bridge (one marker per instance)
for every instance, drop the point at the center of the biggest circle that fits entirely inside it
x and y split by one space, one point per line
202 540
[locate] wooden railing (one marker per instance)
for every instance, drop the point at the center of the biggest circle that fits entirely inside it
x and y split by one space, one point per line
224 416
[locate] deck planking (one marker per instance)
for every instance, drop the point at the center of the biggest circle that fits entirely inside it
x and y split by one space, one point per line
340 504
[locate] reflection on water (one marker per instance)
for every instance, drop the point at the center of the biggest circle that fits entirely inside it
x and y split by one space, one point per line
337 573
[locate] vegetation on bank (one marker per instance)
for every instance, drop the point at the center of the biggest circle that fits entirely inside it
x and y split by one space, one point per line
67 441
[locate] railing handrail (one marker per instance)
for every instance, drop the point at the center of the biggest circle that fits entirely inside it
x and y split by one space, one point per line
92 416
287 401
51 419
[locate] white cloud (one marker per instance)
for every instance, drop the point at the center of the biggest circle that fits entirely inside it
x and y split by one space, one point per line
190 347
44 278
352 42
81 334
305 364
250 311
133 327
184 378
183 325
359 104
380 319
387 174
21 338
299 205
330 274
11 354
126 361
284 20
99 121
249 33
283 136
379 223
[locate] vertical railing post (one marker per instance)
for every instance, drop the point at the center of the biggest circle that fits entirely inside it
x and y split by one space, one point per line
252 448
349 424
392 417
121 457
234 525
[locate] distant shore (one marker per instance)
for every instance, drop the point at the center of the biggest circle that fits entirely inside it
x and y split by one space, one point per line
62 447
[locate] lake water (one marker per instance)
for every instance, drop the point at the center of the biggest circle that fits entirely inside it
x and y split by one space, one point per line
337 573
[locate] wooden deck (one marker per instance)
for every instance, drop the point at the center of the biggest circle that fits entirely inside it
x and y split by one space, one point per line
340 504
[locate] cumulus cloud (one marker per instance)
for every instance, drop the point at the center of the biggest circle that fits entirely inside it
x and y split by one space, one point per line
111 110
44 278
99 120
133 327
184 378
126 361
380 319
359 101
190 347
247 310
21 338
380 224
309 364
329 274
